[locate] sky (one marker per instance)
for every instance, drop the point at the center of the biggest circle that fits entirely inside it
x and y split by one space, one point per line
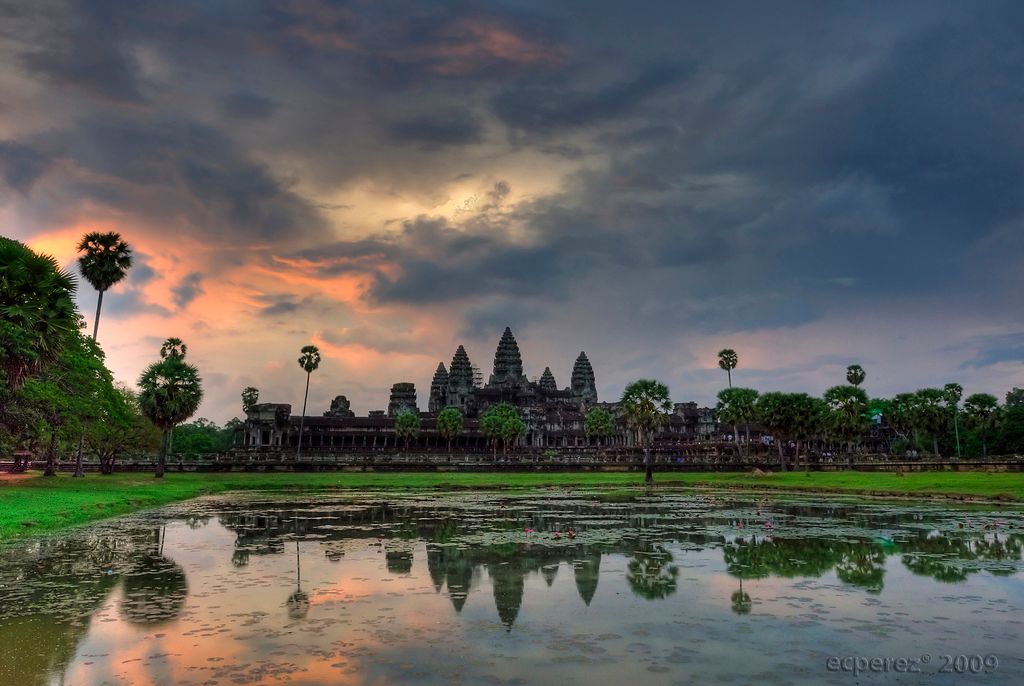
811 184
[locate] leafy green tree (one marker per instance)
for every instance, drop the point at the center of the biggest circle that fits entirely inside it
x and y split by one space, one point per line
1015 398
201 437
71 393
809 415
646 405
931 415
309 360
407 425
599 424
490 426
250 397
953 393
738 406
121 428
511 430
502 422
727 360
847 416
171 391
105 261
982 410
1011 430
37 313
903 416
855 375
449 424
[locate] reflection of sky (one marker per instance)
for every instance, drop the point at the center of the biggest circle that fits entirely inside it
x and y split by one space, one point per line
368 625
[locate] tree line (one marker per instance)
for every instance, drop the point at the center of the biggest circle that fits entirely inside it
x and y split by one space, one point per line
56 394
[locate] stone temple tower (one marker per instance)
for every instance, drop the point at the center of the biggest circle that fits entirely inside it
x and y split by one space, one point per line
583 383
547 380
438 390
403 397
508 362
460 379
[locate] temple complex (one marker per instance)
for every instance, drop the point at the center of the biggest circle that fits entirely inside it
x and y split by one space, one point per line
554 416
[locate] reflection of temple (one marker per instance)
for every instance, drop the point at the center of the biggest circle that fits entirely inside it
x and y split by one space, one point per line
554 416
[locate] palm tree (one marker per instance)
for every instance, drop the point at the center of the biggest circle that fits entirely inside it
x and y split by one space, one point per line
173 347
646 405
931 415
171 391
738 406
727 360
449 424
855 374
982 411
309 360
847 415
954 392
37 312
775 411
105 262
250 396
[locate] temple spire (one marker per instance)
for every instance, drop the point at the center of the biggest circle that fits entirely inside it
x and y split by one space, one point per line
547 380
583 382
508 362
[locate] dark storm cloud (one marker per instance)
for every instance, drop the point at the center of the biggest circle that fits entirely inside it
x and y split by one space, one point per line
547 109
437 129
728 167
280 305
998 349
81 48
181 167
187 290
21 165
245 105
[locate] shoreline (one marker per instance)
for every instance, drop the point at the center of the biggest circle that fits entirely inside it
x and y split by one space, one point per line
36 505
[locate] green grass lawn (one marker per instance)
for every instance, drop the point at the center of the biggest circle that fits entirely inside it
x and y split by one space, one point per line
39 504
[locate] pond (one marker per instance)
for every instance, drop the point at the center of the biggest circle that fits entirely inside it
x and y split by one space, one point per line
552 587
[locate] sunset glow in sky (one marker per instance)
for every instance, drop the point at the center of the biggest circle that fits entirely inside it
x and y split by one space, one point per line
811 184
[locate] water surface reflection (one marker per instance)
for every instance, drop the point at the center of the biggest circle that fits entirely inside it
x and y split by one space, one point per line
542 588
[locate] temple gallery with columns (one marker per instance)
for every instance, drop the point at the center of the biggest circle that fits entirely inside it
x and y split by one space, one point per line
554 416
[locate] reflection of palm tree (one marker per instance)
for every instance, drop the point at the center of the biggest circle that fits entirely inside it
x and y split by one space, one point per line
862 565
155 589
549 572
298 601
741 602
651 573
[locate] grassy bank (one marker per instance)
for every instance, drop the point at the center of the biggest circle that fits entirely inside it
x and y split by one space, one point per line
37 504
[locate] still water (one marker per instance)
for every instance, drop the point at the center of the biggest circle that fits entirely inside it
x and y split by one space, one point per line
558 587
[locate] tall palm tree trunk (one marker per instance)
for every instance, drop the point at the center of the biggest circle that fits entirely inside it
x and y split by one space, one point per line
79 467
956 430
935 445
96 323
648 467
302 419
161 460
729 372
